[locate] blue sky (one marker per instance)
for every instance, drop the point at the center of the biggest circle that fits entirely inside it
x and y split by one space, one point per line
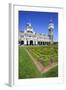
39 21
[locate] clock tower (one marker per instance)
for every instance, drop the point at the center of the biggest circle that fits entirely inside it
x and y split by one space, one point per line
50 30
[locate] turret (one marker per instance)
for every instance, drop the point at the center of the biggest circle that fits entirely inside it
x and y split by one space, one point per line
28 28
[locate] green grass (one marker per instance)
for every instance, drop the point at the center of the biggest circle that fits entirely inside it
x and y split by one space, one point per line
44 53
27 69
52 72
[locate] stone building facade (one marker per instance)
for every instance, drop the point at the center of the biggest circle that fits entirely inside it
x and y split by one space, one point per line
29 37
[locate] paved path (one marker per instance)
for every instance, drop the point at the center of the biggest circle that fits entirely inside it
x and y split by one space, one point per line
39 66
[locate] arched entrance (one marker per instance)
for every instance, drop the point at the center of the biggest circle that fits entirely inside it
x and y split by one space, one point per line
31 42
22 42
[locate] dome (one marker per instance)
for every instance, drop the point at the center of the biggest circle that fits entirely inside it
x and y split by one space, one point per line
29 27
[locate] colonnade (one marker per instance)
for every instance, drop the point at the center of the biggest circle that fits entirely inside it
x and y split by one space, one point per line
31 42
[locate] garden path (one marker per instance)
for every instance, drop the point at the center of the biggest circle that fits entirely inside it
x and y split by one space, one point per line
39 66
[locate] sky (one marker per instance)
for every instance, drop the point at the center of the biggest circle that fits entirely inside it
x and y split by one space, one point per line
39 21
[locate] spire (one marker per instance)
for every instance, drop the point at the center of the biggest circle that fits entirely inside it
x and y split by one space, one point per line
51 20
51 24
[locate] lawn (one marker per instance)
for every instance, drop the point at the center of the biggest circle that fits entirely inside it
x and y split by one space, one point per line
43 54
26 67
51 73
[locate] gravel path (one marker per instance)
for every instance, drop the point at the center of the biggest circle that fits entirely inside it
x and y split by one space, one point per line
39 66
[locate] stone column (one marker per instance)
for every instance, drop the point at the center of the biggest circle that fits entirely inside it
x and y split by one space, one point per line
25 42
42 43
36 42
33 42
